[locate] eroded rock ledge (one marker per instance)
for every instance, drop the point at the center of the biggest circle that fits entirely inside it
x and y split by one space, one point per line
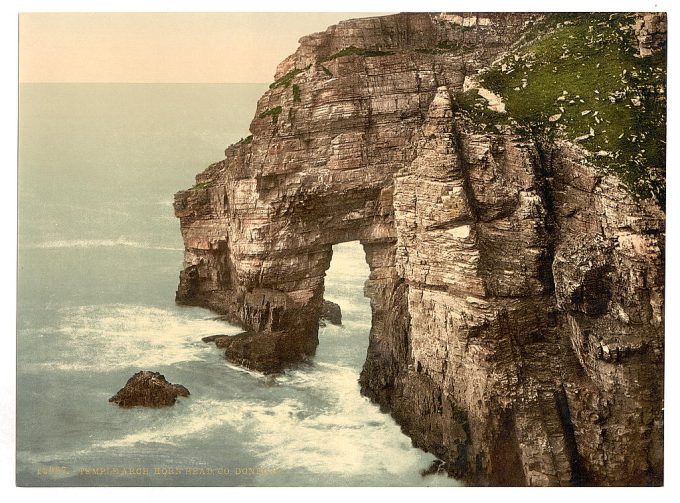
517 294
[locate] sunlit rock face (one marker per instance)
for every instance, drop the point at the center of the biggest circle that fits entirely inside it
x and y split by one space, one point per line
517 294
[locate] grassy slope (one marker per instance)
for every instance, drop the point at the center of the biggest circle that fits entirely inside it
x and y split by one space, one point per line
583 67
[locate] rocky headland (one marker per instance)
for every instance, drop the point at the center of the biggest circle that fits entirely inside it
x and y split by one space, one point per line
504 175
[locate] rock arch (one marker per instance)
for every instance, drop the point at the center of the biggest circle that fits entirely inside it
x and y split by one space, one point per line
485 251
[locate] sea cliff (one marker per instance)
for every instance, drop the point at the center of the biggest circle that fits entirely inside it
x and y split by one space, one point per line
517 274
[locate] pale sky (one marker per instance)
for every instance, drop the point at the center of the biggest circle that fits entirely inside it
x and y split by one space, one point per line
162 47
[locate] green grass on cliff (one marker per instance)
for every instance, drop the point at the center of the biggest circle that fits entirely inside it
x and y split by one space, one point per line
577 76
356 51
273 113
203 185
286 79
445 46
479 117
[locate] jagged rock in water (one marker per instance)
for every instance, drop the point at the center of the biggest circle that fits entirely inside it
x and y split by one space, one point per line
148 389
331 312
268 353
213 338
517 293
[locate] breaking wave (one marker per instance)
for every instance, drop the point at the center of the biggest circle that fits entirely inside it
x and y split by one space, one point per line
335 436
101 243
129 336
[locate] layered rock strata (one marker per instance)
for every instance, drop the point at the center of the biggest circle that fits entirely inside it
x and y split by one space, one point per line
516 293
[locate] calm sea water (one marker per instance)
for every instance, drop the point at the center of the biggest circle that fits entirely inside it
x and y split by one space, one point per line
99 257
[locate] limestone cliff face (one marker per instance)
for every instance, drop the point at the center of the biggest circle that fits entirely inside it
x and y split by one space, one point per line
517 293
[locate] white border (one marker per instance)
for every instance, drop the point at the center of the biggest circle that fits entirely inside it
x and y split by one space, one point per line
343 6
8 32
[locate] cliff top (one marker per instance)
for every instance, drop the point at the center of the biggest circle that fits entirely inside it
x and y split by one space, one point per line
581 77
597 80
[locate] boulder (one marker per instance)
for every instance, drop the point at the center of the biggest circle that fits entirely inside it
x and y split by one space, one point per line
148 389
331 313
268 353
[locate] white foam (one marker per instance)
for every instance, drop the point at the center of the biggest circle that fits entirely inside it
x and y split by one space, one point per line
245 370
201 416
49 458
115 336
339 440
345 436
100 243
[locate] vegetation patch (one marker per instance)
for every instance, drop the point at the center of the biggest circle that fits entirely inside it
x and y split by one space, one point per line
356 51
286 80
273 113
473 108
462 27
204 185
326 71
444 46
578 77
448 45
245 141
296 93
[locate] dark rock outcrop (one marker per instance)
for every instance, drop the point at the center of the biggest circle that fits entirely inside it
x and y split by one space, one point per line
517 293
213 338
148 389
331 312
268 353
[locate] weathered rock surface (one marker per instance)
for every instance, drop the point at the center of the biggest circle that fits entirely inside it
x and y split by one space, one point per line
651 30
517 294
148 389
266 352
331 312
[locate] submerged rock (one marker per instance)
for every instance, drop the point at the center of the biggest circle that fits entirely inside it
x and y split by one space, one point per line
213 338
331 313
148 389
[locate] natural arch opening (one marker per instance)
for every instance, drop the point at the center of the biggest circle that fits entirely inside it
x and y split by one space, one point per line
344 285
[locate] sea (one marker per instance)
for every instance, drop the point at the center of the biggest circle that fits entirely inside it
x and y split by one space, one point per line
99 256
